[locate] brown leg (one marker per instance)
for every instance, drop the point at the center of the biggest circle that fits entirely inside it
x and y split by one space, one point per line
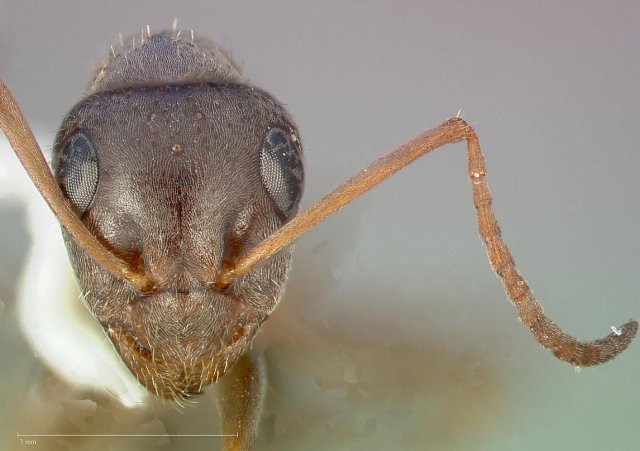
240 397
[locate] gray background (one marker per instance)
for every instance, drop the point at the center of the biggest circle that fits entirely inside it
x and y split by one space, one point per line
394 332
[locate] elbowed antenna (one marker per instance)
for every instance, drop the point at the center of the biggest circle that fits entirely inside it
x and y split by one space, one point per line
19 134
530 312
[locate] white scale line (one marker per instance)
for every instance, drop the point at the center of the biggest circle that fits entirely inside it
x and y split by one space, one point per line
126 435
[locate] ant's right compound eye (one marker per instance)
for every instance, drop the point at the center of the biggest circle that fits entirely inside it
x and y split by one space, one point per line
78 170
281 168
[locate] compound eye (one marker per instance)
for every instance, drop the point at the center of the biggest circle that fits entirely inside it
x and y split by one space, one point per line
78 170
281 168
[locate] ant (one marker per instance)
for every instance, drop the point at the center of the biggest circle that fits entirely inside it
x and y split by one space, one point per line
177 185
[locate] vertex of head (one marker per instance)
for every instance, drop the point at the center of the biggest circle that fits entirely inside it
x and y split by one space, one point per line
165 58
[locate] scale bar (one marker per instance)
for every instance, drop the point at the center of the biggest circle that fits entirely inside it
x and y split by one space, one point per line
126 435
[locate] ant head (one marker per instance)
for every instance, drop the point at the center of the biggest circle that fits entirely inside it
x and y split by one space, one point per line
177 178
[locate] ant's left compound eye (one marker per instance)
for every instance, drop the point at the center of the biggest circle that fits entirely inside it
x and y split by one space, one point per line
281 168
78 171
